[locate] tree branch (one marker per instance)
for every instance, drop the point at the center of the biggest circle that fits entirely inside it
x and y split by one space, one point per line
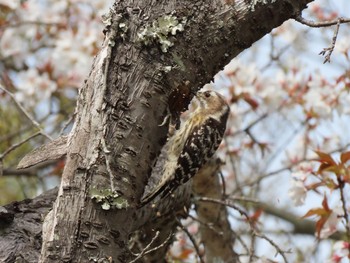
218 240
310 23
26 113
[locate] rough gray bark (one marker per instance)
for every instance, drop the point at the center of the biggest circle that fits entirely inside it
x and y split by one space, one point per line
20 228
21 225
117 135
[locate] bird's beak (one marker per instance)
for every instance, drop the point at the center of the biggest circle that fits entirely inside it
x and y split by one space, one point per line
195 101
199 95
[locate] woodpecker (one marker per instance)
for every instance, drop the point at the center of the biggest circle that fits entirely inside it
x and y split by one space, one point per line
193 144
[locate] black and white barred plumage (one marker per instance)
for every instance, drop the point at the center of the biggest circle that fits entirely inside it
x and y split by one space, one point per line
194 143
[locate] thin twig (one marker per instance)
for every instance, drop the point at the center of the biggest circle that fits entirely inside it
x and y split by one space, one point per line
278 249
28 171
277 55
285 143
208 225
346 215
226 203
223 185
311 23
234 170
35 123
26 23
192 240
244 130
71 118
244 199
291 166
13 147
250 126
147 249
20 131
327 52
244 245
252 248
257 258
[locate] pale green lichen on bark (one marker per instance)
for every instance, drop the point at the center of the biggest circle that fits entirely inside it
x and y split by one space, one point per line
123 28
160 31
120 28
179 63
167 69
253 3
99 259
107 18
108 199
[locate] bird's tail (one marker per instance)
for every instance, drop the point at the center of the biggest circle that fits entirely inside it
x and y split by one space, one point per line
154 193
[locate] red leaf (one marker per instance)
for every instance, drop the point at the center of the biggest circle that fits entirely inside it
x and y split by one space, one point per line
346 177
323 214
251 101
254 218
263 148
325 158
330 184
319 211
323 167
315 211
319 225
315 185
344 157
185 254
325 204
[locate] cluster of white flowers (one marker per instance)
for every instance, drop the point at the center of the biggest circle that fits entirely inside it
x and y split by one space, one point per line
297 191
317 96
48 33
340 252
13 4
313 99
342 46
33 86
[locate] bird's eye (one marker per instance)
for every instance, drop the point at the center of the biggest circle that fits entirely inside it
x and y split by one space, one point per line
207 94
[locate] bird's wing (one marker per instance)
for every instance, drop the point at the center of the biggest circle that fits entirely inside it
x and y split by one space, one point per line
199 147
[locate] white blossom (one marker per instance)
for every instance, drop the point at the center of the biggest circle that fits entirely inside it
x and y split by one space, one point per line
33 86
314 101
297 192
300 175
12 43
331 224
342 45
13 4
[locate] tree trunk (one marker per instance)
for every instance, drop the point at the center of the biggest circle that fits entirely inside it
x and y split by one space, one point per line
215 231
121 126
